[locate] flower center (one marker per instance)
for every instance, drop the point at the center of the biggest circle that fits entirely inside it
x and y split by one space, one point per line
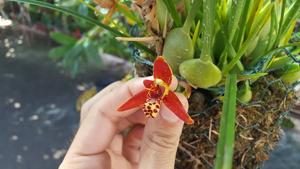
161 83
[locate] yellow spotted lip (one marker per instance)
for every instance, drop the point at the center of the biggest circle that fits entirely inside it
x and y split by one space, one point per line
151 108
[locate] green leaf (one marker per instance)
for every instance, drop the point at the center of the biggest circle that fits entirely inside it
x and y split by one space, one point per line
209 9
128 14
86 18
92 52
234 15
286 123
58 52
290 17
83 9
170 4
264 15
74 69
73 55
62 38
196 33
254 76
225 145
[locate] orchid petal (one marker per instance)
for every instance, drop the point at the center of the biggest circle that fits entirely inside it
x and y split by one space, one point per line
148 83
135 101
174 104
161 70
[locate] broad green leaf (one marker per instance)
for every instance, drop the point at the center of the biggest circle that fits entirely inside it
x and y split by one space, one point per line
62 38
225 144
58 52
72 56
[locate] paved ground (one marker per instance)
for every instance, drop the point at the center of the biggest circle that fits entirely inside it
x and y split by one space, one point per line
38 116
37 106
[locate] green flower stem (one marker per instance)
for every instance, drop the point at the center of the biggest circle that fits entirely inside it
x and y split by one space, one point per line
226 138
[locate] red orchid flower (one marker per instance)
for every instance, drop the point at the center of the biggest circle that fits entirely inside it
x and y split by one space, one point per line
156 92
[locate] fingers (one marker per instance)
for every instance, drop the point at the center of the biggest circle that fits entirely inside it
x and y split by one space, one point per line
133 143
100 124
161 138
102 160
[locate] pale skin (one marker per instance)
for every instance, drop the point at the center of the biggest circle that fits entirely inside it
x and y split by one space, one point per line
100 142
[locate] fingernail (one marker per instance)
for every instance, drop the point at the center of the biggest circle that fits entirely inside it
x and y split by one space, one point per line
169 116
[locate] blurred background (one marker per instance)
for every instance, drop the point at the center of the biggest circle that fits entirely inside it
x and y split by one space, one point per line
50 64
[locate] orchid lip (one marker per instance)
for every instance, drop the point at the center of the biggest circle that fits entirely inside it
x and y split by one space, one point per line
163 84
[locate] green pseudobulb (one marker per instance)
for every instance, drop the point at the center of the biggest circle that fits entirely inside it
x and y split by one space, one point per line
178 48
199 73
245 93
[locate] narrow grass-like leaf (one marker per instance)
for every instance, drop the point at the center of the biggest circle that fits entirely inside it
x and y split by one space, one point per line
230 51
290 17
225 147
242 26
274 51
273 29
87 19
283 4
287 36
254 8
196 33
243 77
128 13
209 9
265 15
170 4
234 17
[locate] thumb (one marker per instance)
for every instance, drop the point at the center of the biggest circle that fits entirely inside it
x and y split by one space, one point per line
161 138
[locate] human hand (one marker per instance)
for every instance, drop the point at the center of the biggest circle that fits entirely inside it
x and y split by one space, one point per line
100 142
